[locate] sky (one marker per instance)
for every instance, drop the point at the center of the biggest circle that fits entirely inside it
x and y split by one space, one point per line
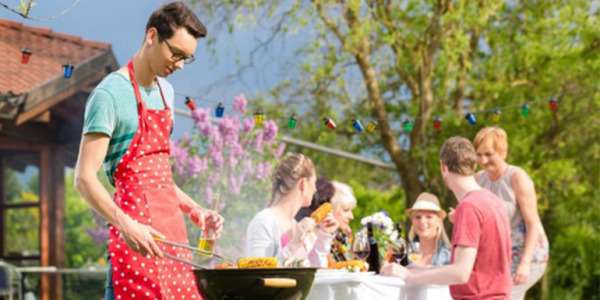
122 23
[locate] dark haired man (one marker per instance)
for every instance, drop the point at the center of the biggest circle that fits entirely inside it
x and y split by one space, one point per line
128 121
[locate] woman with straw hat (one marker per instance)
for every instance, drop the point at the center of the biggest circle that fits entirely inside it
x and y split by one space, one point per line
427 223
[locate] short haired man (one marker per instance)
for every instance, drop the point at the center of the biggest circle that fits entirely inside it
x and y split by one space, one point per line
128 121
481 248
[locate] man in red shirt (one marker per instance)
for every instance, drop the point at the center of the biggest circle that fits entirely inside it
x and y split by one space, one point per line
480 267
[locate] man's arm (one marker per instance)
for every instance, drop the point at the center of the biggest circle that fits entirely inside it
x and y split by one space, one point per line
202 217
455 273
92 151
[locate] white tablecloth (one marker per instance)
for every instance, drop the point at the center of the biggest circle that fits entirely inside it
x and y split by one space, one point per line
342 285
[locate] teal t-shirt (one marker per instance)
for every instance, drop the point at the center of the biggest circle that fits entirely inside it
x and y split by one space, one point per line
111 109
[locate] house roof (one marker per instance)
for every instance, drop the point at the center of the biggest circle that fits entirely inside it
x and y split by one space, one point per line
50 51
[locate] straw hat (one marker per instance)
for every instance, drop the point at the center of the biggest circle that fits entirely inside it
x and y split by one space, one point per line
427 202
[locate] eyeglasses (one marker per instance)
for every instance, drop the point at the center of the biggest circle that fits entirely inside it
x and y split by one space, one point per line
176 56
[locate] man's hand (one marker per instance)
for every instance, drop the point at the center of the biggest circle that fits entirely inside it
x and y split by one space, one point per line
205 219
394 269
139 237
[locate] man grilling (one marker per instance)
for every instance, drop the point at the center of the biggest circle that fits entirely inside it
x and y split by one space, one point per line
128 121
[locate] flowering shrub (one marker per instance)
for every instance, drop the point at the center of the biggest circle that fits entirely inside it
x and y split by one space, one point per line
225 164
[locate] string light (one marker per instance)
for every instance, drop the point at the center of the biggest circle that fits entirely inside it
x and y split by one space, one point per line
525 110
357 125
25 55
189 102
407 126
496 115
437 123
329 123
259 118
471 118
553 104
68 70
371 126
292 122
220 110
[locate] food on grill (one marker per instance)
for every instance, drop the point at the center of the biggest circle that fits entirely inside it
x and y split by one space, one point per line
352 265
319 214
257 262
226 265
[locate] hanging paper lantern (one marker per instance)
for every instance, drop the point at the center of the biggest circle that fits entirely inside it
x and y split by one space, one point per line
357 126
471 118
292 122
259 118
371 126
329 123
189 102
68 70
437 123
220 110
496 115
553 104
407 126
525 110
25 55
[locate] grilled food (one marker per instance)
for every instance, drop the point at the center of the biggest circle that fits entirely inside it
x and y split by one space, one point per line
225 265
319 214
257 262
352 265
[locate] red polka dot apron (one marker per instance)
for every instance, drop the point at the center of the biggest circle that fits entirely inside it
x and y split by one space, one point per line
145 191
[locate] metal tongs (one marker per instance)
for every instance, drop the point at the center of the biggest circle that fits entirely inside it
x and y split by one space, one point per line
188 247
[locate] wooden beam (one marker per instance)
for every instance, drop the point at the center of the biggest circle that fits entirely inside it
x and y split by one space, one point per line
43 117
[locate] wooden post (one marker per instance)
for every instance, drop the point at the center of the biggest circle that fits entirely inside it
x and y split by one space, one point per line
52 196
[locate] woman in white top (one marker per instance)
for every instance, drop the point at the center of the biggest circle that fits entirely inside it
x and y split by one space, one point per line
515 187
275 232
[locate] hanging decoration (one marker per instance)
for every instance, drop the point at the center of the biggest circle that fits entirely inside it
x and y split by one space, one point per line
292 122
471 118
371 126
189 102
407 126
259 118
525 110
68 70
25 55
329 123
553 104
437 123
358 126
496 115
220 110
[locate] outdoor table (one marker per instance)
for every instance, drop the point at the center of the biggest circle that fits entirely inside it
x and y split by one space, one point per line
339 284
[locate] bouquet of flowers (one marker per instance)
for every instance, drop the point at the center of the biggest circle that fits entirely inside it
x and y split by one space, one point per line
383 229
225 164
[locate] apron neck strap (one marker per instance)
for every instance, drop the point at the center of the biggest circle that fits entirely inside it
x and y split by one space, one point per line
136 88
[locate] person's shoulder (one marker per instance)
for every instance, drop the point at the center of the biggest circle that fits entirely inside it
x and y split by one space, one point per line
264 216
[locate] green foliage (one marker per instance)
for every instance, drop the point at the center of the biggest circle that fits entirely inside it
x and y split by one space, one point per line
80 248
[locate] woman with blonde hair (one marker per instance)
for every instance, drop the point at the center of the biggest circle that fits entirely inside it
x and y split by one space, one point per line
427 223
515 187
274 232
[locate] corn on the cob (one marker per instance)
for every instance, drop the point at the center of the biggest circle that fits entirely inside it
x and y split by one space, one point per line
257 262
319 214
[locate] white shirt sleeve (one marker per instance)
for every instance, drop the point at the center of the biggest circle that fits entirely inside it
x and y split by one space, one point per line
260 237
